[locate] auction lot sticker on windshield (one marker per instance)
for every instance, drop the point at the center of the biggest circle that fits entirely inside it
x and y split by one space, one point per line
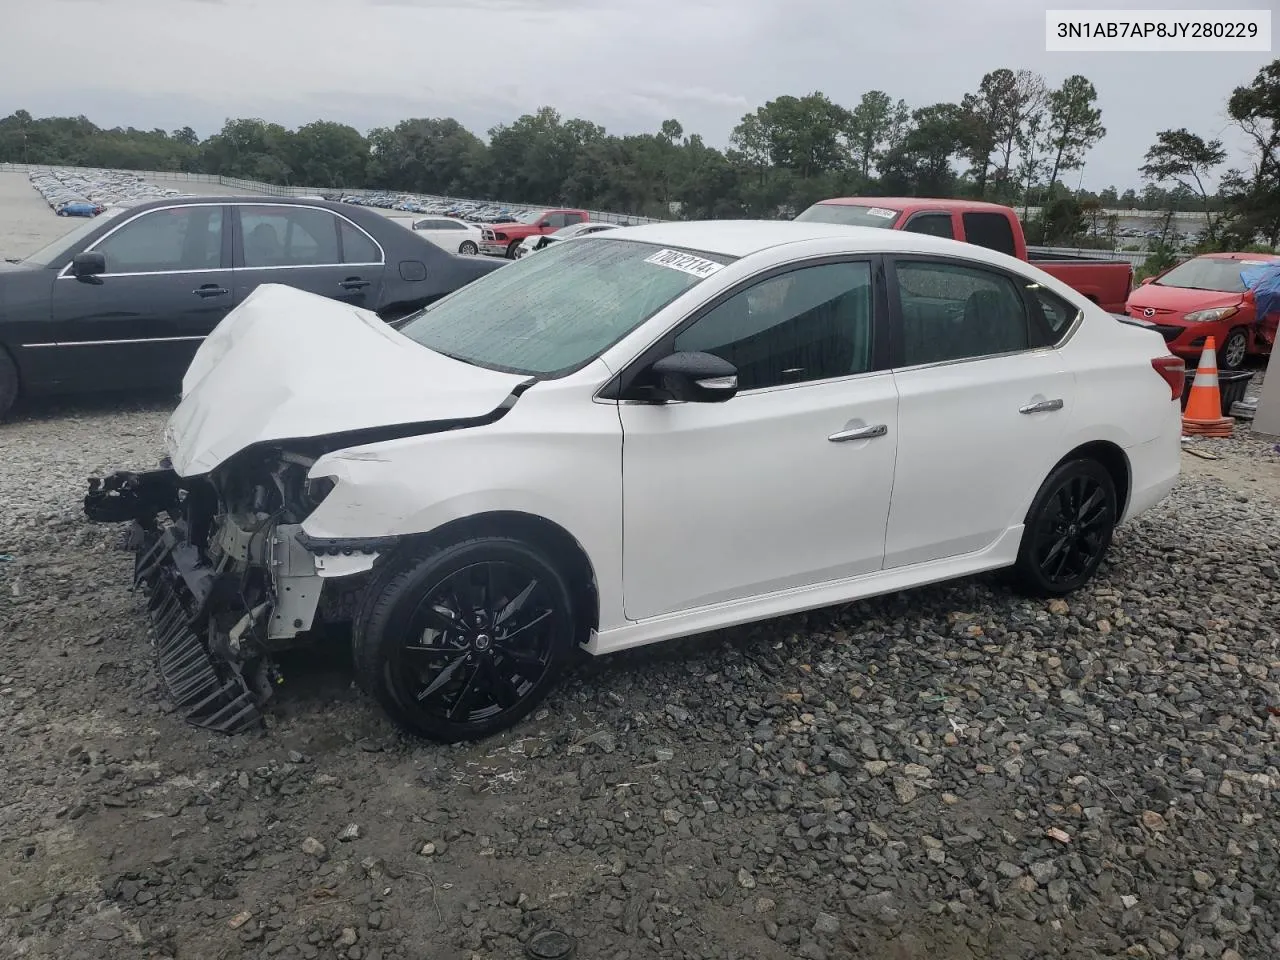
685 262
881 212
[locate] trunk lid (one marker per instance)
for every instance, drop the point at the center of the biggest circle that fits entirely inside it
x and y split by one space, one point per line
287 364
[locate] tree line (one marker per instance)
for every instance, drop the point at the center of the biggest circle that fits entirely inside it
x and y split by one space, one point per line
1014 139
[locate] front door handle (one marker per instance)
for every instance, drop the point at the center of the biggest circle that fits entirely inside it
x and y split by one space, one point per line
353 283
1044 406
210 290
859 433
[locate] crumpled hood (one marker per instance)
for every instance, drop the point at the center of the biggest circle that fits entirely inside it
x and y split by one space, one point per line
288 364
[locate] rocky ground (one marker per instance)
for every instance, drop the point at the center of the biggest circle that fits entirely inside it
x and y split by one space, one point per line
949 773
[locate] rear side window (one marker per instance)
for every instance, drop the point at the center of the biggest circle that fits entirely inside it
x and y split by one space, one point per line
356 246
289 236
955 312
990 230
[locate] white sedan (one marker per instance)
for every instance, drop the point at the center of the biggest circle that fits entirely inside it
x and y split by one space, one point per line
649 433
542 241
456 236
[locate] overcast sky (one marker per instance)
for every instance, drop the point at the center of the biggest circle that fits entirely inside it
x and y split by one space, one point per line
626 64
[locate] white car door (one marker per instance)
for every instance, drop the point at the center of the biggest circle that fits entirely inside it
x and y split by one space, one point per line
786 484
982 409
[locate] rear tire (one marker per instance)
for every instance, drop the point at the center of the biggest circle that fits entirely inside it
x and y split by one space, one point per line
1068 529
463 641
1234 350
8 383
468 248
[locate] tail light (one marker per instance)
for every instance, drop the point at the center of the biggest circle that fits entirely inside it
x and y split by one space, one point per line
1174 372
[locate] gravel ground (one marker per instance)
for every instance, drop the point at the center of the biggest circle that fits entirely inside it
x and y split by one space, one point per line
953 772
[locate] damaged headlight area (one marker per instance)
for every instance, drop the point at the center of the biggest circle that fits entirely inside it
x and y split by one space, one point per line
229 577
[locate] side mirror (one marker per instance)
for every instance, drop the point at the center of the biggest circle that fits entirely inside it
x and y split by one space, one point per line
1146 280
85 265
544 224
696 377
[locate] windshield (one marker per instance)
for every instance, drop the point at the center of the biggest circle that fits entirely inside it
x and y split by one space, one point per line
551 314
850 215
529 216
54 253
1208 273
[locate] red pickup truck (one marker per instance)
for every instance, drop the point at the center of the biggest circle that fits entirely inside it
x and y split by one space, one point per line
502 239
1105 282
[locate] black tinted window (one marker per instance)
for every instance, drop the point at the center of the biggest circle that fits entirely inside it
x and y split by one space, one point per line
181 238
952 312
572 218
933 224
289 236
809 324
1058 313
356 245
990 230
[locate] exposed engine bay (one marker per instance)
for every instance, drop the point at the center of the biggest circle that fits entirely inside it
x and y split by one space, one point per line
229 576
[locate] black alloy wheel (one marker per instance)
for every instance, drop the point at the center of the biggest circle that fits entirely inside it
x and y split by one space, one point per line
1068 529
464 642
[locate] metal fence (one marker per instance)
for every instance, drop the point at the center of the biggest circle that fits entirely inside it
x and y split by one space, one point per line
259 188
1135 257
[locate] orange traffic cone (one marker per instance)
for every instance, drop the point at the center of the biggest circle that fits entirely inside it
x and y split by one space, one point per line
1203 415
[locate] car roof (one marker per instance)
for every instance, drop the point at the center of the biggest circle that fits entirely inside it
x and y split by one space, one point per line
1239 256
741 238
183 201
915 203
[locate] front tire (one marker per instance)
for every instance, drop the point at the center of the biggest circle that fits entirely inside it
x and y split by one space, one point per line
1068 529
468 248
460 642
513 249
1234 349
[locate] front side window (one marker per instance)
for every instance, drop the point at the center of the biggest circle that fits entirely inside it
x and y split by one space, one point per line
955 312
932 224
571 218
809 324
289 236
176 239
549 314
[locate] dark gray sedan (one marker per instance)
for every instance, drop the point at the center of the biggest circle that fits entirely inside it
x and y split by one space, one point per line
123 301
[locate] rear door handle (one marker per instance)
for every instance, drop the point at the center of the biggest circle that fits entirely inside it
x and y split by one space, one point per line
1044 406
860 433
353 283
210 290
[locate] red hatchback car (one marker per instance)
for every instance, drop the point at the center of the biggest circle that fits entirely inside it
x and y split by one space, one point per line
1205 297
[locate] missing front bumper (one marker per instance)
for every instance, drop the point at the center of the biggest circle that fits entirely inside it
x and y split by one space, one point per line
212 692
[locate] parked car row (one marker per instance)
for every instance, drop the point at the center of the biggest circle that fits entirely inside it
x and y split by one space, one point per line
472 211
86 193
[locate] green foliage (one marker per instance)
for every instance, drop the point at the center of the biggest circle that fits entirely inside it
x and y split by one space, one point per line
781 157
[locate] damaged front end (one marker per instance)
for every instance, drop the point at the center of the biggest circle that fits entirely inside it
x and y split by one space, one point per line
229 577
